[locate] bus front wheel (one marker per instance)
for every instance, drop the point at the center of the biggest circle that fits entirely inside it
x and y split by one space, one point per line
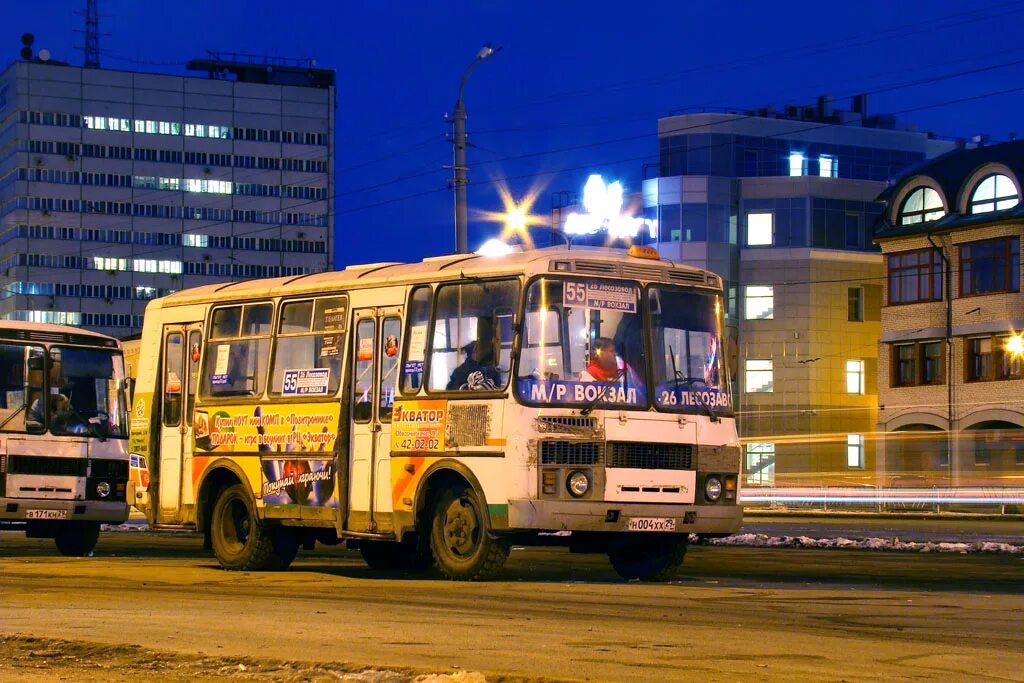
241 542
648 558
77 539
459 538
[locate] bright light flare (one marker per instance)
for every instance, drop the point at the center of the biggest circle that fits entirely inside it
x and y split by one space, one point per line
516 219
495 247
1015 345
604 205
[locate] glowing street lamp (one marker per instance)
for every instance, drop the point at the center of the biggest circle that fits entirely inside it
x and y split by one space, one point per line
1015 345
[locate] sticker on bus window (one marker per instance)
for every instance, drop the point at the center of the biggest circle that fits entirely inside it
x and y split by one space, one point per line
391 346
223 357
307 382
329 345
365 350
600 294
417 342
413 367
173 385
334 319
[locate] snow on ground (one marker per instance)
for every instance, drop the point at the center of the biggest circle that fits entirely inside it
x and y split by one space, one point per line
889 544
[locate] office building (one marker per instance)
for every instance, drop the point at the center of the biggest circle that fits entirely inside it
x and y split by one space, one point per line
119 186
783 205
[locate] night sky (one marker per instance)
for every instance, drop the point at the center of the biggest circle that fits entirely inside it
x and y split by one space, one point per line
576 89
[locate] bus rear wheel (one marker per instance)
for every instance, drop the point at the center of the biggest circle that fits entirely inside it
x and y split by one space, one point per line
241 542
77 539
459 537
648 558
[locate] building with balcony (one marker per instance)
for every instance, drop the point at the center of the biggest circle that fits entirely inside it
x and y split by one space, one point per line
783 205
119 186
950 372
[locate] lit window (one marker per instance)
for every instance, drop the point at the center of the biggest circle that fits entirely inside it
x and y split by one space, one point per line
828 166
797 164
922 205
759 467
760 229
195 240
760 302
758 376
855 377
855 451
994 193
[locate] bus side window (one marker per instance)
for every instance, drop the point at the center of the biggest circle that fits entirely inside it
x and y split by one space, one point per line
415 351
391 332
235 360
362 386
172 379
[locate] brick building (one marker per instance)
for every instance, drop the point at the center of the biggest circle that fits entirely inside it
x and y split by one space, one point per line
950 375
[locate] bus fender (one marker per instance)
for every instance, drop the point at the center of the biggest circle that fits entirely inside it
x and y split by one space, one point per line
219 474
448 467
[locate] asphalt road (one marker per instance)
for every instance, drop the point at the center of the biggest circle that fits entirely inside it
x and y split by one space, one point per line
161 609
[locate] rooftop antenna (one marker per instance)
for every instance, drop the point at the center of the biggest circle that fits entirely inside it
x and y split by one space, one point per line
92 34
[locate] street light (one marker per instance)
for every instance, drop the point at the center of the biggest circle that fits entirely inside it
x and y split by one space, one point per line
459 142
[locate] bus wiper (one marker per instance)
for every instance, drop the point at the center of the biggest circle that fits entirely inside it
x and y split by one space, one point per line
682 381
92 429
589 408
12 416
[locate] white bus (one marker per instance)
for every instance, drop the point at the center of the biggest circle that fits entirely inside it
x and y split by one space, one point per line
441 411
63 433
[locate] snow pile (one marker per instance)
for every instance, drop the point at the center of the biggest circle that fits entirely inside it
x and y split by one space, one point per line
127 526
766 541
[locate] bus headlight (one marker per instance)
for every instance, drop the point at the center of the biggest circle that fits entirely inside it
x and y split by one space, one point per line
713 488
103 489
577 484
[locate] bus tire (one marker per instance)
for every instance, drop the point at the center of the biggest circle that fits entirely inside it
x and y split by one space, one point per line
459 536
647 558
241 542
77 539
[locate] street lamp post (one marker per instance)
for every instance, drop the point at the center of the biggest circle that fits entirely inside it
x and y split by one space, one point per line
459 180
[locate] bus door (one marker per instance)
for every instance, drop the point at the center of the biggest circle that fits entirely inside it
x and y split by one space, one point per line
178 381
375 359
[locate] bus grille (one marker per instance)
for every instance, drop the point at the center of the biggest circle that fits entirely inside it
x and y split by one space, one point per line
569 424
40 464
650 456
109 469
570 453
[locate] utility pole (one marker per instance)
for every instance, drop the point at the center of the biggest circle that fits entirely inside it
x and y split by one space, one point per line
459 181
92 34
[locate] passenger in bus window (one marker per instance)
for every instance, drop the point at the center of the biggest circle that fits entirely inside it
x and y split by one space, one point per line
607 366
477 372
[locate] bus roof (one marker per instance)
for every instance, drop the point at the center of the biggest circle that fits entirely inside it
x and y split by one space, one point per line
46 332
579 261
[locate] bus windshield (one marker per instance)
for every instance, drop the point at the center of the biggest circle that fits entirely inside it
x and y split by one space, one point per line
686 344
583 345
86 393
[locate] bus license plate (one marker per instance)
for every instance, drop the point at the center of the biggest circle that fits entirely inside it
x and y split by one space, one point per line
650 524
46 514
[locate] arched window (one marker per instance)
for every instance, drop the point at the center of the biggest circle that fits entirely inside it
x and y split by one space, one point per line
993 193
920 206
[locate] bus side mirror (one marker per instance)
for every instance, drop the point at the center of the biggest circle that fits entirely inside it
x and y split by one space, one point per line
35 363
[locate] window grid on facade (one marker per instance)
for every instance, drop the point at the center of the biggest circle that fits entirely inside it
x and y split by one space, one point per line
990 266
759 465
989 359
855 377
915 276
994 192
918 363
760 230
855 304
758 375
855 451
797 164
922 205
759 302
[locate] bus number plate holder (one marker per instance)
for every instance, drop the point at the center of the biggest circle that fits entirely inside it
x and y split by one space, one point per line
650 524
46 514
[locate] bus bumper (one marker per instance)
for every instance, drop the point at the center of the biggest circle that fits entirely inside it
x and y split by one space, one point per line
560 515
22 510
